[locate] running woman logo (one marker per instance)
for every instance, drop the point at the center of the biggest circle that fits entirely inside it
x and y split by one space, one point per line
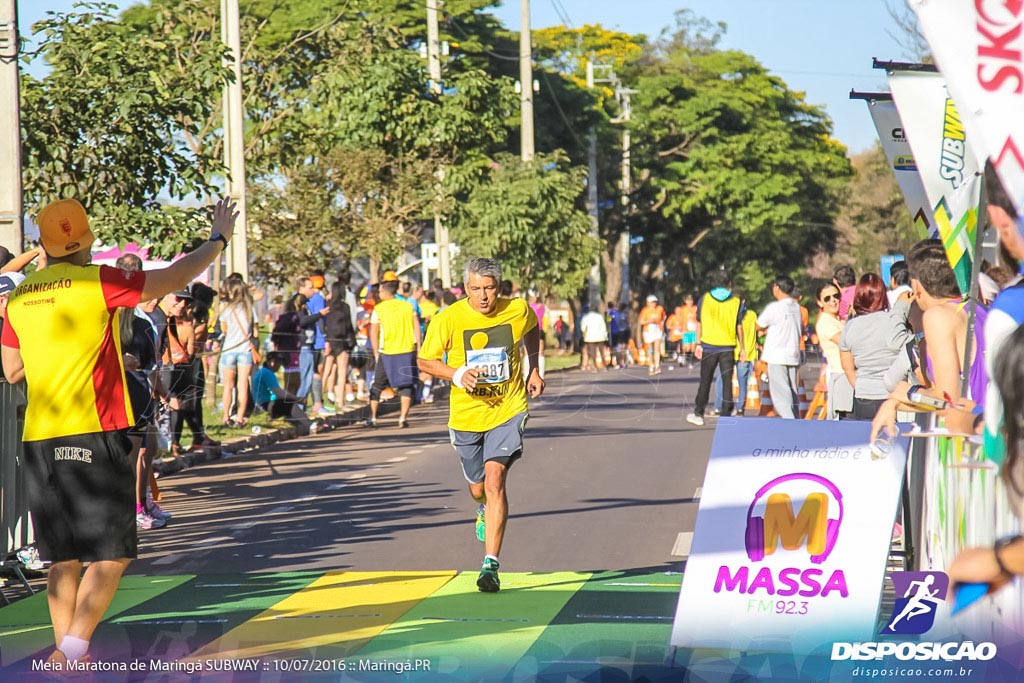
914 613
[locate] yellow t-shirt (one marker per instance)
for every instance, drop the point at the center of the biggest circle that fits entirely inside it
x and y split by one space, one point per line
64 321
427 309
749 341
397 321
459 335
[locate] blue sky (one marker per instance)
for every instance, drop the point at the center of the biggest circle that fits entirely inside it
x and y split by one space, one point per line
820 47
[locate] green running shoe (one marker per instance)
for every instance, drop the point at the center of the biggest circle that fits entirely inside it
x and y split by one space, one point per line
481 531
488 581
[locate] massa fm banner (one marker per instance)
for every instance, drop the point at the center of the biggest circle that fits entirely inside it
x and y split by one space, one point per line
978 46
793 531
945 161
897 150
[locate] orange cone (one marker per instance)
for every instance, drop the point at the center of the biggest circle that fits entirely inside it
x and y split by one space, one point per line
766 403
818 409
753 396
801 394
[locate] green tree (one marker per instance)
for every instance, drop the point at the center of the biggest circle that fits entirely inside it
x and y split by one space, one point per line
735 169
523 214
873 221
109 124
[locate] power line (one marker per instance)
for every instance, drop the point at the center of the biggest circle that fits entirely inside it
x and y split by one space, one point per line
563 15
449 17
558 106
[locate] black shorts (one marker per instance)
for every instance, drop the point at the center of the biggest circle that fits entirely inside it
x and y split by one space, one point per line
143 405
81 492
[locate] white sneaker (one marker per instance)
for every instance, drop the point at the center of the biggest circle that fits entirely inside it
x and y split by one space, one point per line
145 521
330 396
695 419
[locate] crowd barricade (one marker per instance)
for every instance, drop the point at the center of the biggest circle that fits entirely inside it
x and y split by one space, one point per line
14 516
957 501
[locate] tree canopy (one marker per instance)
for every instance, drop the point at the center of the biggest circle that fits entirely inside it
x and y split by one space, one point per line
349 154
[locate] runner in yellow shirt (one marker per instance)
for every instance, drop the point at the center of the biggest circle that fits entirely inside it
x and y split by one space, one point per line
475 344
395 336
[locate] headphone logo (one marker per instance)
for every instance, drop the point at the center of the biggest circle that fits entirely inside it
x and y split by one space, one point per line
811 527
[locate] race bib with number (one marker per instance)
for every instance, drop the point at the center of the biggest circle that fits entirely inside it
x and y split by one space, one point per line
491 362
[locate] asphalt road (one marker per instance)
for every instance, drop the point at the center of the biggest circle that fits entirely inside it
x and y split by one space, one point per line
609 480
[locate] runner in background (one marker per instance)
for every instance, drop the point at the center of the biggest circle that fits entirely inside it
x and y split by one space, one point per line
652 329
690 331
675 327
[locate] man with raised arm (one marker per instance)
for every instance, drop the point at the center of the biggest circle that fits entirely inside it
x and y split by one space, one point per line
62 338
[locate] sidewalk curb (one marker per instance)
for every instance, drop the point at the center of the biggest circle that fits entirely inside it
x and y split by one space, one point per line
241 444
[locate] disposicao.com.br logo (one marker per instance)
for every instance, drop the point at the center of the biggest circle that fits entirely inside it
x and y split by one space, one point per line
920 594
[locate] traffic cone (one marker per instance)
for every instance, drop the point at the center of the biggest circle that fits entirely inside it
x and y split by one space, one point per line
819 404
801 395
753 396
766 403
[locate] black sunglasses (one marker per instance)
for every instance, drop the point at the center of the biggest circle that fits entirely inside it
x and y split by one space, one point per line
830 297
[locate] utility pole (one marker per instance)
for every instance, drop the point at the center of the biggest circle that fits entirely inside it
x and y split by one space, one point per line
627 187
10 131
594 281
234 140
526 82
444 266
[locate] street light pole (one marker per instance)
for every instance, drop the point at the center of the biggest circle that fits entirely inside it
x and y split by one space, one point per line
444 266
234 141
10 132
594 281
526 144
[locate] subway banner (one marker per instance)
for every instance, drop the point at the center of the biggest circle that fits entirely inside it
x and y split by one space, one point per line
945 160
792 536
897 150
978 46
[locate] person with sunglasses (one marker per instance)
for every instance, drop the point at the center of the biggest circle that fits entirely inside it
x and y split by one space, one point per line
829 329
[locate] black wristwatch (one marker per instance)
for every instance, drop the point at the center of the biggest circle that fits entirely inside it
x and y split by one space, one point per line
999 545
217 237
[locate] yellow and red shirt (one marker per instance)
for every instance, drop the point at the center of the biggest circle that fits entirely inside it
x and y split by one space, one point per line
62 318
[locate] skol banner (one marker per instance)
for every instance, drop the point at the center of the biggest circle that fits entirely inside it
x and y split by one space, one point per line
897 150
945 160
793 531
978 46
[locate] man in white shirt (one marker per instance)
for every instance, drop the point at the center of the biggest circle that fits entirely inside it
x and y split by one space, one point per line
595 340
780 323
899 282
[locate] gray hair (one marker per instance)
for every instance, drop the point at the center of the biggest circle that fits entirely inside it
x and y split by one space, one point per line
485 267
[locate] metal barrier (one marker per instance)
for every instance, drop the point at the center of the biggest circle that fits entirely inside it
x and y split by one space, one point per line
14 517
958 500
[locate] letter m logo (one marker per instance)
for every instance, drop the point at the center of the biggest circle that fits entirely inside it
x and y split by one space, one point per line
808 528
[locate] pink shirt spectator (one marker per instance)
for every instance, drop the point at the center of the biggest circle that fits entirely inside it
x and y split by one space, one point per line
846 302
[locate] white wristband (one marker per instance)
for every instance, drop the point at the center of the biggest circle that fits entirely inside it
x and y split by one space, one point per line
457 377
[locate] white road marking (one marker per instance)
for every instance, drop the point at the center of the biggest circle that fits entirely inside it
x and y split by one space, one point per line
683 542
398 459
414 451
